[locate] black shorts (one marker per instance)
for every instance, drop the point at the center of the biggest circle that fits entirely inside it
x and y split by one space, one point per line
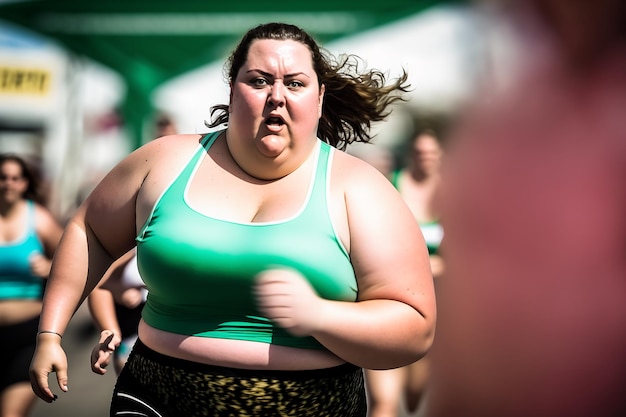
17 347
128 319
155 385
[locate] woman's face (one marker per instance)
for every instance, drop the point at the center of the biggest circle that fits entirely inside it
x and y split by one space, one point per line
13 184
275 102
427 153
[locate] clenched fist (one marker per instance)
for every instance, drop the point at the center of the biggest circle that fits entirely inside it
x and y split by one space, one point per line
286 297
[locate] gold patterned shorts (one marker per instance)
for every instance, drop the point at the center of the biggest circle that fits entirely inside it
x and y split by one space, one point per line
155 385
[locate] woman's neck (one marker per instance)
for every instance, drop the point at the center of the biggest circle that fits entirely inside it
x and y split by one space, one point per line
421 176
266 169
9 209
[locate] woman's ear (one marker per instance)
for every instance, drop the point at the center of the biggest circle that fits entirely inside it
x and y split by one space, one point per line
321 101
230 96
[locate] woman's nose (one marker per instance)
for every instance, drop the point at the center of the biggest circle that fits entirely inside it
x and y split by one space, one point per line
277 97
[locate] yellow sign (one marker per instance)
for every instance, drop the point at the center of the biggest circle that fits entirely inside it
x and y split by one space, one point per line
24 81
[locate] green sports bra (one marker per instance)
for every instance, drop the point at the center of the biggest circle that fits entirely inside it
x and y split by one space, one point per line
199 270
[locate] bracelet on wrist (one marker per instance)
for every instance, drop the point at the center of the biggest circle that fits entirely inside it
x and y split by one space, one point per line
49 331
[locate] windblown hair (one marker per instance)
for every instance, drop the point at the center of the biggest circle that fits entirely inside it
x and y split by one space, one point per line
353 99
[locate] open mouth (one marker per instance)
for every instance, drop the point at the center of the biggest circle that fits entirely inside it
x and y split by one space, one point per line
274 121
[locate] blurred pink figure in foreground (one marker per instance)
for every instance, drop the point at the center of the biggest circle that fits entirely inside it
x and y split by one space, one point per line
532 314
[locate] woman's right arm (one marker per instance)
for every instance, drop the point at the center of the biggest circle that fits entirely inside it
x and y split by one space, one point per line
103 229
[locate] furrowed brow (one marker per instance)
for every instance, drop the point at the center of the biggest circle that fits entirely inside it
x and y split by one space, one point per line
268 75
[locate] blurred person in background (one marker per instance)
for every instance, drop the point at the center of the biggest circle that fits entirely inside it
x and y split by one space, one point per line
532 310
29 235
275 271
165 125
115 306
418 182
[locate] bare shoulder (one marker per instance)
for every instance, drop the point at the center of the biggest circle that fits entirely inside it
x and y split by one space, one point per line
360 181
366 198
47 225
354 172
158 155
169 146
375 209
44 216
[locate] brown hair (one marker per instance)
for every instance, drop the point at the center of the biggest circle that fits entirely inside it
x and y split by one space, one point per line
353 99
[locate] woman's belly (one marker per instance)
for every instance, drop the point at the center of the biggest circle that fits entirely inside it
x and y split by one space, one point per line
18 311
235 353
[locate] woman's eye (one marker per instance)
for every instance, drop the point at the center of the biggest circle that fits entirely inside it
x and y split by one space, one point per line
260 82
295 84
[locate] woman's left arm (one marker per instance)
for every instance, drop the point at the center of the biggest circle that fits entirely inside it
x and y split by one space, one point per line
392 323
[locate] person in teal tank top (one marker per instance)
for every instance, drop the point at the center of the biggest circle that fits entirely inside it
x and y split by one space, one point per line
29 234
277 265
17 279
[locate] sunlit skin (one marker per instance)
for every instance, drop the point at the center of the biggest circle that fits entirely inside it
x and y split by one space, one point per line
275 100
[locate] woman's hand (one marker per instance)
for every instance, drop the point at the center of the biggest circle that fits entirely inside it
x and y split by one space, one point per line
39 265
49 357
102 353
286 297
